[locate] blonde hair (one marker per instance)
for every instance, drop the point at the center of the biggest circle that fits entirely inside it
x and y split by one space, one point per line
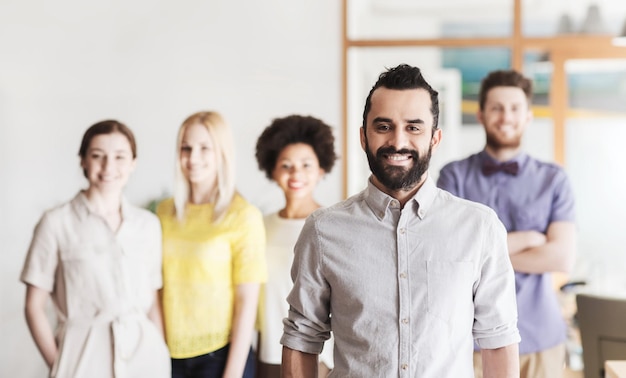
221 136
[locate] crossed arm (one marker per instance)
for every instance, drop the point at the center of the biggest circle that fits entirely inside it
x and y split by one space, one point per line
534 252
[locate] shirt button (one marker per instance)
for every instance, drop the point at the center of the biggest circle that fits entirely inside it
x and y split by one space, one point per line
402 231
404 366
402 275
405 321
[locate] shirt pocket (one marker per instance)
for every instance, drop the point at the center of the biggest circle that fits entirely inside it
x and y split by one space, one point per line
450 288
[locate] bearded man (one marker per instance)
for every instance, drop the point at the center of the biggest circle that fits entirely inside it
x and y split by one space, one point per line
406 275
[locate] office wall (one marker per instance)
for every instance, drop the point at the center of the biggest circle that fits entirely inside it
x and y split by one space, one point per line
67 64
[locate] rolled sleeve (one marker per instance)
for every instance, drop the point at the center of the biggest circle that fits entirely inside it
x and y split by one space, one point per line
307 325
42 257
495 317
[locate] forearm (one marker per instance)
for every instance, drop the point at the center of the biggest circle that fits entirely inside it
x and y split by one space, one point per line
298 364
501 363
156 314
519 241
244 317
556 254
544 259
38 324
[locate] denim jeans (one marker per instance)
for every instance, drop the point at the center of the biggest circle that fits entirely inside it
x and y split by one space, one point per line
210 365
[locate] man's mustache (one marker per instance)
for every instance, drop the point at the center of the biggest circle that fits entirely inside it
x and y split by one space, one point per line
381 152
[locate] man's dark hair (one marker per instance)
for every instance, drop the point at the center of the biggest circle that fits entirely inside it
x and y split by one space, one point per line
404 77
504 78
291 130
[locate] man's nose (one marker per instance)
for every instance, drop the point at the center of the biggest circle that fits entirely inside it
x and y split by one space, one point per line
508 115
399 139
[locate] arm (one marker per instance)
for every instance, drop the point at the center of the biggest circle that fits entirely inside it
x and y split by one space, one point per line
244 316
155 314
298 364
501 362
38 323
519 241
557 254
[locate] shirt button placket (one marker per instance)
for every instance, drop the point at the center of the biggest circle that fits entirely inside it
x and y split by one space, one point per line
404 372
404 299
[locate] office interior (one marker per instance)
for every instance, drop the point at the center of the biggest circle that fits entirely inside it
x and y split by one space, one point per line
65 65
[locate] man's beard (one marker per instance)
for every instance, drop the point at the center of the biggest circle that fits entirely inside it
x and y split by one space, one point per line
497 142
393 177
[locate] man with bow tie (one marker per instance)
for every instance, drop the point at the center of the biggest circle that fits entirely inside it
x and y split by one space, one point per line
535 202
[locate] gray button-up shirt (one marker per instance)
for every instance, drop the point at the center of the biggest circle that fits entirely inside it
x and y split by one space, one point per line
537 196
404 290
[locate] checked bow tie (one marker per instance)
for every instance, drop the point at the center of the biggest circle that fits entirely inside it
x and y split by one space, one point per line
490 167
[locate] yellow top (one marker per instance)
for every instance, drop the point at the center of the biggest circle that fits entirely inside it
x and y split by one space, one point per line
202 265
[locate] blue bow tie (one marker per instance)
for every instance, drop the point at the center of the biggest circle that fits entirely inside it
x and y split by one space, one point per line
490 167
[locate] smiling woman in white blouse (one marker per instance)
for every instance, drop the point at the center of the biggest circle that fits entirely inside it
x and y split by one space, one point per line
99 259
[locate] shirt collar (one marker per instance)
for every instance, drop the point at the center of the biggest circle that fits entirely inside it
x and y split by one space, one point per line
420 203
520 158
82 209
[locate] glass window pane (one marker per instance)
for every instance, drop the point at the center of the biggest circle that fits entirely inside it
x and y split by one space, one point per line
550 18
409 19
538 67
596 87
595 155
474 64
595 131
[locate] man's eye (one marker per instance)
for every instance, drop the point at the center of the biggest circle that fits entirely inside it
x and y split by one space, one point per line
383 127
185 149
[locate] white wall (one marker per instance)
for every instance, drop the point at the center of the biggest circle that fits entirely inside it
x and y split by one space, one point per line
66 64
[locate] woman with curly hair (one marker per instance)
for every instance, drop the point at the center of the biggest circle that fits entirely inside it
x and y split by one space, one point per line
295 152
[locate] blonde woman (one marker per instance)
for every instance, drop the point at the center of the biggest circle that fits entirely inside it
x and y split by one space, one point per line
295 152
213 257
99 258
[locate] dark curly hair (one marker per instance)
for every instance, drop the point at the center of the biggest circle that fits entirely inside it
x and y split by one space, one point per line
403 77
291 130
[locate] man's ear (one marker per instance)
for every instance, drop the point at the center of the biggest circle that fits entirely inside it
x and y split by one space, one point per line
479 116
530 116
363 137
436 139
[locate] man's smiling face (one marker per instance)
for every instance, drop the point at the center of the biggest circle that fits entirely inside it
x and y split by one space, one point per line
399 138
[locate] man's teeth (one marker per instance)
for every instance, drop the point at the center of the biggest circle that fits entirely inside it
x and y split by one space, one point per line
398 157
